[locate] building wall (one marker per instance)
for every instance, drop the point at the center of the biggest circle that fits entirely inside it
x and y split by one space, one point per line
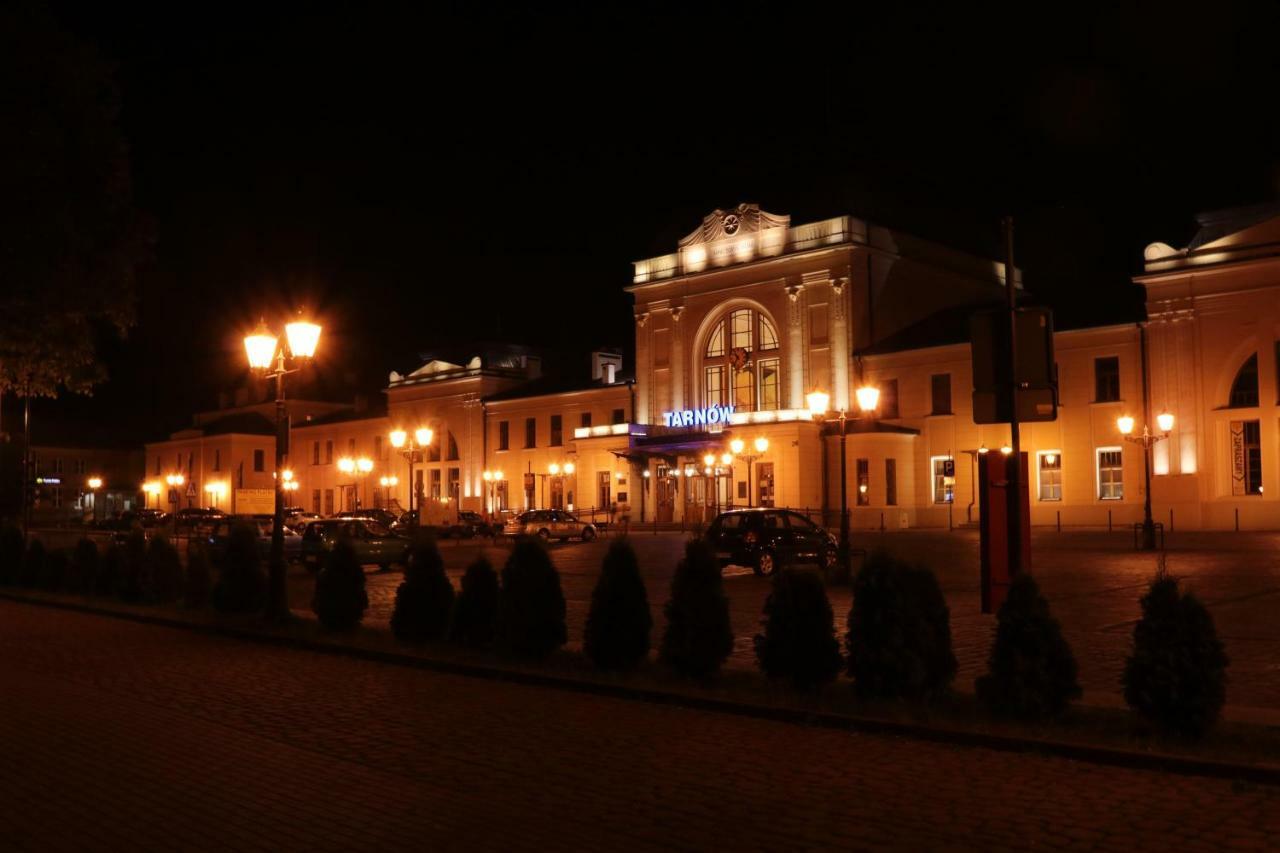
229 463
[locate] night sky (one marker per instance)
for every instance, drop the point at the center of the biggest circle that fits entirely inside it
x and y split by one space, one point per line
427 178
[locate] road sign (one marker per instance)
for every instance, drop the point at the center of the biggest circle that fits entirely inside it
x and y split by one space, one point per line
191 488
1036 374
948 467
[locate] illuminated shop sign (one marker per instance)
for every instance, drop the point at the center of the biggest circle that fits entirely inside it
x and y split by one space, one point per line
698 417
48 481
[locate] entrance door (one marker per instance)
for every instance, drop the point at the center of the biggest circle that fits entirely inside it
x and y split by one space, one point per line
764 484
604 494
557 493
666 495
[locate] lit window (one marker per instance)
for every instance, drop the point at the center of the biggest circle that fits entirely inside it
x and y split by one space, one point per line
749 383
744 390
769 384
944 484
864 482
1110 474
715 346
1050 467
714 386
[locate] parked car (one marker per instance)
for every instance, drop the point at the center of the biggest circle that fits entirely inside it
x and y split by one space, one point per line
550 524
197 519
300 518
766 539
220 536
374 543
147 517
385 517
471 523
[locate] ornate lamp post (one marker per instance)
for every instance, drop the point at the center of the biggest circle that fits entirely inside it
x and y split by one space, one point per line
175 482
358 468
94 483
761 446
388 483
410 449
1124 423
868 397
269 358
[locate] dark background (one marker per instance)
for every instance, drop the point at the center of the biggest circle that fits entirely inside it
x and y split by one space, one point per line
428 176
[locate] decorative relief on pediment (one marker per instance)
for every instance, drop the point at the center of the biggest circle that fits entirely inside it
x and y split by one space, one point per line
744 219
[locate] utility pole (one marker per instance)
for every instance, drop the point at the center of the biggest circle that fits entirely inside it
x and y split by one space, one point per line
1015 439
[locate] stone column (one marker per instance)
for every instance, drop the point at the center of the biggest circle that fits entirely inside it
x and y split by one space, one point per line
795 346
644 369
839 335
677 359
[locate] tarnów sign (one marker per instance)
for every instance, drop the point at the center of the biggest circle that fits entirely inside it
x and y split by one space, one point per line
698 417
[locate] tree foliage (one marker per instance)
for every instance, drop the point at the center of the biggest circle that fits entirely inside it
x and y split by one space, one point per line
425 598
616 636
699 637
798 642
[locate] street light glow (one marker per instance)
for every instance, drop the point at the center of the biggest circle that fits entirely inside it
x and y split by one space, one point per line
725 459
762 444
1165 421
737 446
260 347
398 438
346 464
554 468
95 483
868 398
569 468
423 436
709 459
303 338
364 463
818 402
1124 423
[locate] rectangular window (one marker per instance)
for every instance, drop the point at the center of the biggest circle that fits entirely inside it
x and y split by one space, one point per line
891 482
769 381
557 431
1106 379
818 324
888 398
864 482
433 449
619 416
1252 458
328 452
743 390
217 459
661 347
1049 465
584 420
944 479
315 501
315 454
455 490
530 432
259 460
435 484
714 386
740 329
377 447
328 501
940 384
1110 474
504 435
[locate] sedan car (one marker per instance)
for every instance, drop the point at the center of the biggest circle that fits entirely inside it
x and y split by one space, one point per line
373 542
197 519
765 539
299 519
385 517
221 536
550 524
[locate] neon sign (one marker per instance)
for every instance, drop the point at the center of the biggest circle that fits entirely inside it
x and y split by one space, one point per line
698 417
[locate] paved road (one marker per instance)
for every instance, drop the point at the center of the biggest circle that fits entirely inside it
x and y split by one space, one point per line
1093 580
115 735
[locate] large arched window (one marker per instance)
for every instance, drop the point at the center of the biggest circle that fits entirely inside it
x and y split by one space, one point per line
1244 390
740 365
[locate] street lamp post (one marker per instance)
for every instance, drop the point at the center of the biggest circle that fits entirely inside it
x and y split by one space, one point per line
95 483
868 397
357 468
265 354
1125 424
175 482
761 446
410 447
388 483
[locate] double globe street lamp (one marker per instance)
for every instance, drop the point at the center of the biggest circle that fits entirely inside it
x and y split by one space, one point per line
411 446
761 446
1125 424
267 356
358 467
819 401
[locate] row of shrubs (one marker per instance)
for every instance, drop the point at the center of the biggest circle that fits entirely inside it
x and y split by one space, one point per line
897 644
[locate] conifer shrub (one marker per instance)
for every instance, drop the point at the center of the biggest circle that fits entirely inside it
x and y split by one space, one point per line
475 610
531 608
1031 672
132 581
616 636
698 637
340 598
33 563
898 642
424 598
241 585
110 570
12 550
197 587
1176 675
799 638
54 571
164 575
83 575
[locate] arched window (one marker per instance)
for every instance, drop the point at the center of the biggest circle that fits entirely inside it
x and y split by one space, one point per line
1244 390
740 365
453 446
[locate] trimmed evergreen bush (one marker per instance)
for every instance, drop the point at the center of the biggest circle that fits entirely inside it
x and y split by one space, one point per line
475 610
54 571
12 549
799 639
83 576
1176 676
132 581
110 570
531 608
698 638
164 576
197 586
340 598
898 641
33 563
619 621
425 598
1031 672
241 586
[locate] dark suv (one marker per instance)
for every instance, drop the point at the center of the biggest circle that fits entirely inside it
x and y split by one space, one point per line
765 539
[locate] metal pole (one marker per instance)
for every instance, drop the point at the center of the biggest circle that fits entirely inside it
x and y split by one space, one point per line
278 594
1148 525
26 468
1015 438
750 492
844 499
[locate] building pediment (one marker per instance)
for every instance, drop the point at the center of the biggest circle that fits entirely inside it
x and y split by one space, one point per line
727 224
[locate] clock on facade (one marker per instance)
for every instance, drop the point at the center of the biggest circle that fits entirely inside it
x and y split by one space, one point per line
730 223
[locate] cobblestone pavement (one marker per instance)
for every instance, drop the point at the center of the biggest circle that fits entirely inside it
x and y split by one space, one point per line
1093 581
115 735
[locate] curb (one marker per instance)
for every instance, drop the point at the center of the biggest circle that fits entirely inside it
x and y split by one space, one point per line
1102 755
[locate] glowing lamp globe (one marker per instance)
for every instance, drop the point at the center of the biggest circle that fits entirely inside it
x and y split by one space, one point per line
568 468
554 468
487 476
497 475
726 459
868 398
95 483
365 465
709 459
1165 421
818 402
1124 423
398 438
260 347
737 446
1006 450
762 444
423 436
346 465
303 337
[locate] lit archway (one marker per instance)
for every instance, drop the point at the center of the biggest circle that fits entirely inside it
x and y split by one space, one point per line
739 361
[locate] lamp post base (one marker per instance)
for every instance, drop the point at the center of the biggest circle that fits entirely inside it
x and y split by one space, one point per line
1148 535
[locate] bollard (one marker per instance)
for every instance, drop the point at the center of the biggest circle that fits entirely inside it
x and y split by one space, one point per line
1170 519
1108 521
1059 521
1237 519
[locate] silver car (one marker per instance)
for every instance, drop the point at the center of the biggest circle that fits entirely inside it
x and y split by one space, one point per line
549 524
